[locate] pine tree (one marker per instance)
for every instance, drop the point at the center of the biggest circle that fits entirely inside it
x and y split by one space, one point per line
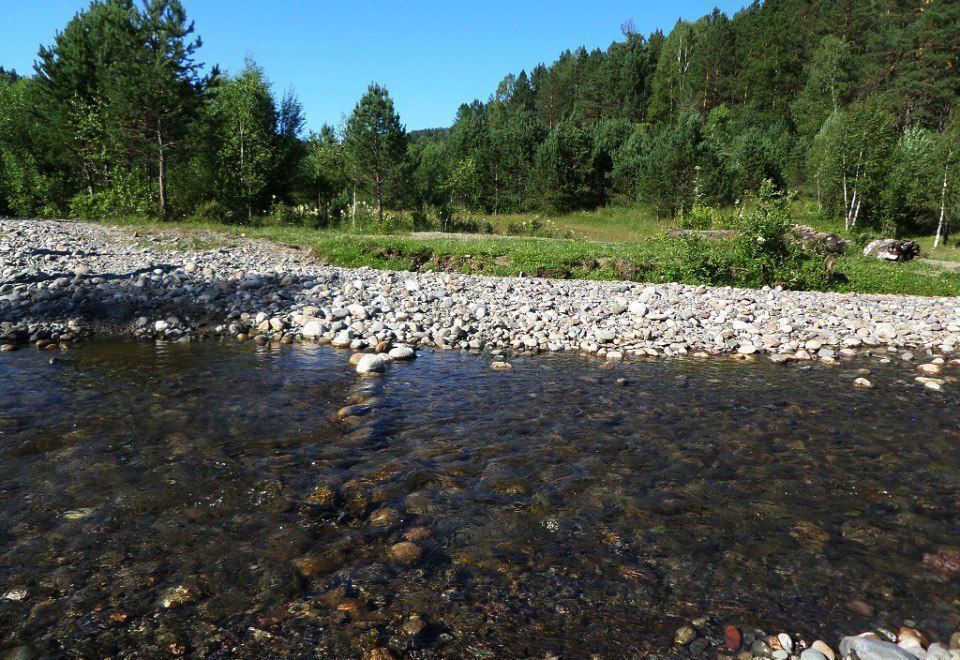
374 143
158 90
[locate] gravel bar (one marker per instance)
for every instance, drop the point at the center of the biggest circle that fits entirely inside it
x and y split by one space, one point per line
62 280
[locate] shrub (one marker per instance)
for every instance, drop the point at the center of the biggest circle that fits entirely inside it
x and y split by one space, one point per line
760 254
128 194
211 211
285 215
701 217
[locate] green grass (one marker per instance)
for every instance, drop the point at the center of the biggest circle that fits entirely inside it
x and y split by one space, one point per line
610 248
612 224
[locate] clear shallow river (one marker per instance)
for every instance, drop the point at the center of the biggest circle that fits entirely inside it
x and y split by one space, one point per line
554 510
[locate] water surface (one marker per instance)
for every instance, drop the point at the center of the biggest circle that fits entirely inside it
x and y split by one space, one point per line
556 510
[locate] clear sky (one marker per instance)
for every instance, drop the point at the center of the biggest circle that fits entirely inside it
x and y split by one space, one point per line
431 54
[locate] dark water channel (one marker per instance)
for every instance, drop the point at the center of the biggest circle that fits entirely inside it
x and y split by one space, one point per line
552 510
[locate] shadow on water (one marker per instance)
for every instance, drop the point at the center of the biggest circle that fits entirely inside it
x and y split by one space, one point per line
207 499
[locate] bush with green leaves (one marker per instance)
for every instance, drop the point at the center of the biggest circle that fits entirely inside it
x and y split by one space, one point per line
127 194
211 211
762 253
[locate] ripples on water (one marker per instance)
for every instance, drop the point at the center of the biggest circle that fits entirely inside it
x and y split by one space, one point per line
557 511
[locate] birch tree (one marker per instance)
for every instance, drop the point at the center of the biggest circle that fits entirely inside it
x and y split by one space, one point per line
247 120
850 156
949 153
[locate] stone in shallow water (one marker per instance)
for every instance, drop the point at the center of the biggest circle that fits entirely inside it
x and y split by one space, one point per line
176 596
414 625
417 534
858 606
406 552
342 340
732 638
946 562
501 366
78 514
370 364
684 635
313 564
812 654
937 651
312 330
824 648
385 517
863 384
15 595
873 649
324 495
402 353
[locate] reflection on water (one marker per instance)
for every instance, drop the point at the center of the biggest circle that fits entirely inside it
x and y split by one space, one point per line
206 499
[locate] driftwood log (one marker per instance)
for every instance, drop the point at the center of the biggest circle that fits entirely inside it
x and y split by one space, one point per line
820 241
890 249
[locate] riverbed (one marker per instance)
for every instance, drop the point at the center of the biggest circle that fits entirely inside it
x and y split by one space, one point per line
208 498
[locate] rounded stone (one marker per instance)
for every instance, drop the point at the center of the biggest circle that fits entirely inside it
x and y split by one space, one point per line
684 635
406 552
401 353
370 363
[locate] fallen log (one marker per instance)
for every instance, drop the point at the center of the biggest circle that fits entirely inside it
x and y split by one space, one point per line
891 249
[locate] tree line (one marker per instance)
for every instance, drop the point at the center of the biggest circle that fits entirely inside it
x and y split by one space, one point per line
852 102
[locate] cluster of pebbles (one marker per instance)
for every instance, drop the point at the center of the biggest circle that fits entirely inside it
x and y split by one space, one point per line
880 644
63 280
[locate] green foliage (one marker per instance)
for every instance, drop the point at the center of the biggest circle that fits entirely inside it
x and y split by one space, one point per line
849 160
701 217
324 180
125 194
829 85
848 102
567 175
374 144
911 195
245 118
762 253
211 211
466 185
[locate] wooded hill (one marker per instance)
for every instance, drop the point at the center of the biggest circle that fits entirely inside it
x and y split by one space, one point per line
852 102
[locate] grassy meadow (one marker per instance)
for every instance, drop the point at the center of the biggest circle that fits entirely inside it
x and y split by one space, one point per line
612 243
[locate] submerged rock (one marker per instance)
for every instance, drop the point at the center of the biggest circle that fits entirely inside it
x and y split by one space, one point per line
684 635
176 596
406 552
867 648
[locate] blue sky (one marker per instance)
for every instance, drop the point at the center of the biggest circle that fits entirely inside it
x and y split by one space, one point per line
431 55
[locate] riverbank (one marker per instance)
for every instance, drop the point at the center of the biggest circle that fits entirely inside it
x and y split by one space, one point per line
64 280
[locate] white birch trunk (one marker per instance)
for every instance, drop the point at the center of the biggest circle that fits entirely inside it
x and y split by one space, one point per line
941 226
